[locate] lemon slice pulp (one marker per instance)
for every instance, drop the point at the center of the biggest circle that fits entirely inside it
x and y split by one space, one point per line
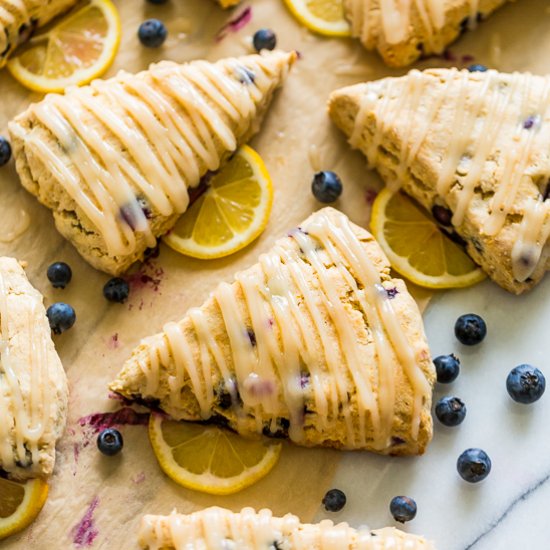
79 48
20 503
208 458
417 248
230 214
321 16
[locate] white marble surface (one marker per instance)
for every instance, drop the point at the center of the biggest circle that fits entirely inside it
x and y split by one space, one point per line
508 510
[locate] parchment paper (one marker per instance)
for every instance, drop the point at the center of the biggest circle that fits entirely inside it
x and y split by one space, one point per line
97 501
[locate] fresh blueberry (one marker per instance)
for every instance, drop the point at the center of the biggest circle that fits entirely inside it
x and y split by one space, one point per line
334 500
264 39
5 151
326 186
61 317
450 411
473 465
478 68
470 329
152 33
447 368
403 508
116 290
442 215
59 274
110 442
525 384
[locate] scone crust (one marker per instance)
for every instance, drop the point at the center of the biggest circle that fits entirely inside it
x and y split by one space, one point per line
419 40
70 219
132 382
419 180
24 300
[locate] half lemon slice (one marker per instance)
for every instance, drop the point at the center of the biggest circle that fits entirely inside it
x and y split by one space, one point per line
230 214
79 48
20 503
321 16
208 458
417 248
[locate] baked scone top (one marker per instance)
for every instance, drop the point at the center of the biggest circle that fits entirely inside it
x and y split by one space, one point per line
316 341
124 151
404 30
33 387
217 528
478 143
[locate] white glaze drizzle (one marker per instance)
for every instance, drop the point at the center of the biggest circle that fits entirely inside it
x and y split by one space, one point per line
299 329
219 529
172 123
24 410
481 128
392 19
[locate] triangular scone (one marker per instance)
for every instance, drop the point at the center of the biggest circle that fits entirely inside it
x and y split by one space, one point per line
19 19
404 31
315 342
33 386
477 144
114 160
216 528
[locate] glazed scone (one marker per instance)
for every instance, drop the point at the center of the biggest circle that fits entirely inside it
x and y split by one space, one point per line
217 528
20 18
316 342
402 32
476 144
114 160
33 386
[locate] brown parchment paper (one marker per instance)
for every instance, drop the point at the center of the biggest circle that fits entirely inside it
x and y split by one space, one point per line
97 501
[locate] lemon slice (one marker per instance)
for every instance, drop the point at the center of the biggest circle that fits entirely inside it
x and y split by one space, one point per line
20 503
81 47
321 16
417 248
230 214
208 458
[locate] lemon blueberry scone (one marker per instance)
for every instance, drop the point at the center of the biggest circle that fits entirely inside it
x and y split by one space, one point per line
217 528
402 32
20 18
316 342
114 160
33 386
474 146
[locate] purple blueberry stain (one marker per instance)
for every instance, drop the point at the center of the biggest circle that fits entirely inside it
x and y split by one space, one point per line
533 121
85 531
126 416
392 292
304 380
251 336
240 21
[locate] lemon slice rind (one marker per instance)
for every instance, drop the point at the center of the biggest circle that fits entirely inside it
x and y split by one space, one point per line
79 77
401 263
301 11
240 239
207 482
36 493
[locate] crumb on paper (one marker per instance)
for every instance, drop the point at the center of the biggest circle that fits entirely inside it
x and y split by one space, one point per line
236 24
85 532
